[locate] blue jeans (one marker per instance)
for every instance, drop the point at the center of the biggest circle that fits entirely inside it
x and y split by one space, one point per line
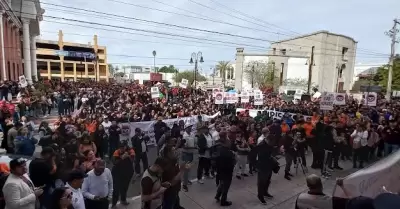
186 157
389 148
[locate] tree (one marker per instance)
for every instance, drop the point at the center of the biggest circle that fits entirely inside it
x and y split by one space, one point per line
225 70
189 75
111 69
381 77
168 69
261 75
119 74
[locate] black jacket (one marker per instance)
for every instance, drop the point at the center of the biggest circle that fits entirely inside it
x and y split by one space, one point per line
202 144
264 154
136 141
225 160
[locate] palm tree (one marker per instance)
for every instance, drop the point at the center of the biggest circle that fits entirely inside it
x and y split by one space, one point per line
223 67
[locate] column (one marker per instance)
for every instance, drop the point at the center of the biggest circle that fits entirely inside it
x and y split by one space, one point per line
3 58
86 70
107 74
27 51
74 71
35 75
49 70
239 69
62 68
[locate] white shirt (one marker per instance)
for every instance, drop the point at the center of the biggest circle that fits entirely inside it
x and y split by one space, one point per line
77 198
101 186
260 139
144 147
360 137
215 135
106 125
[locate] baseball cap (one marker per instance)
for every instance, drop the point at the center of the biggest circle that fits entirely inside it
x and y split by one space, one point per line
17 162
76 174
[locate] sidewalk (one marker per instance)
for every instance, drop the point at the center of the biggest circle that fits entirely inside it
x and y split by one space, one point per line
243 193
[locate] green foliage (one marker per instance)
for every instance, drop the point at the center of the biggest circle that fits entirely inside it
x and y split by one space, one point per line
381 77
262 74
189 75
168 69
224 68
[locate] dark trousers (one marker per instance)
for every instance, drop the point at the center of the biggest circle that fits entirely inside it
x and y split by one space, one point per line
113 146
170 199
289 158
359 155
204 165
225 181
97 204
335 156
263 182
300 152
327 160
318 154
252 160
141 157
121 185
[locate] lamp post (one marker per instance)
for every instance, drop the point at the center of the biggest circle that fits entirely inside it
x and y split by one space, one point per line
196 58
252 73
154 60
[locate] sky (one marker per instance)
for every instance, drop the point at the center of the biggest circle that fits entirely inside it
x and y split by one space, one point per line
127 28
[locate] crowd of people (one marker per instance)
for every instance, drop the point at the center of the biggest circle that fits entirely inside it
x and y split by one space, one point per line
84 162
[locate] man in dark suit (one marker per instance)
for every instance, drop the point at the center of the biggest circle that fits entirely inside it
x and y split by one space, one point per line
139 144
265 166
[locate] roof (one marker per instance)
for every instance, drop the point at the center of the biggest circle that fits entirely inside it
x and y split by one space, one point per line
369 71
312 34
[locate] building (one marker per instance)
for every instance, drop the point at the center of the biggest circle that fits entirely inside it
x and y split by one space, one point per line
71 61
19 26
333 60
137 69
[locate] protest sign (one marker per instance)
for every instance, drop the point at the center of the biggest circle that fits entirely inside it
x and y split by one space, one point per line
327 100
245 97
272 113
231 97
184 83
155 92
258 97
370 98
340 99
219 98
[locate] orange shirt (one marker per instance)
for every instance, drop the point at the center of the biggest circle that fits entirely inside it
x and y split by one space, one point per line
91 127
117 153
308 129
314 119
285 128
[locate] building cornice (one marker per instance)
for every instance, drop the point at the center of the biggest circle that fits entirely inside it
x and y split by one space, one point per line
10 13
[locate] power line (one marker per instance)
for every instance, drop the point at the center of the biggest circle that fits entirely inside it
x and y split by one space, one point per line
252 17
172 25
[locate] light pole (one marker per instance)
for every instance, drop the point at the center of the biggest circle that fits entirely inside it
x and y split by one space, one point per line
196 58
213 75
154 60
252 73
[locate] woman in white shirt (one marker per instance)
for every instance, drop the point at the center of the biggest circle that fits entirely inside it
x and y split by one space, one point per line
360 142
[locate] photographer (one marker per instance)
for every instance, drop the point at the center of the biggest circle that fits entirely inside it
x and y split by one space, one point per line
139 144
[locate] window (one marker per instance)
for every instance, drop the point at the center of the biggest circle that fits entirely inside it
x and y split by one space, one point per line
274 51
9 69
344 53
283 51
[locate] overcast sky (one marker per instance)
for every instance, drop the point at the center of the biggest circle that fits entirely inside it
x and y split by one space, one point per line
267 20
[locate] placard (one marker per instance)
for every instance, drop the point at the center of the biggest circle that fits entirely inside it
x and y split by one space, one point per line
155 92
215 91
340 99
22 81
184 83
370 98
245 97
327 100
258 97
219 98
231 97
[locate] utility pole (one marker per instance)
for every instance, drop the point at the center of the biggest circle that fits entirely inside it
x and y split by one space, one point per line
392 34
310 65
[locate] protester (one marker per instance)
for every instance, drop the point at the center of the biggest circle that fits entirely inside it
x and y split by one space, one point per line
61 198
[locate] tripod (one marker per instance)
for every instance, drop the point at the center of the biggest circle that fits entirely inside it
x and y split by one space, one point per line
300 161
327 160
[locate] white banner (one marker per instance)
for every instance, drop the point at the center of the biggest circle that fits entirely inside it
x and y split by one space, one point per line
258 97
245 97
327 100
340 99
370 98
272 113
184 83
231 97
219 98
147 127
368 182
155 92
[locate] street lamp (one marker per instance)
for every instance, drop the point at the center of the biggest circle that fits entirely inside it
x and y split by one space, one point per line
195 58
154 55
252 73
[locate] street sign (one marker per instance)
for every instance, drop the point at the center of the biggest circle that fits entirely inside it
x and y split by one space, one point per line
376 89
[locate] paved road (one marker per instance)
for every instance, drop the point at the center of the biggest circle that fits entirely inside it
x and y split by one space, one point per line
243 193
